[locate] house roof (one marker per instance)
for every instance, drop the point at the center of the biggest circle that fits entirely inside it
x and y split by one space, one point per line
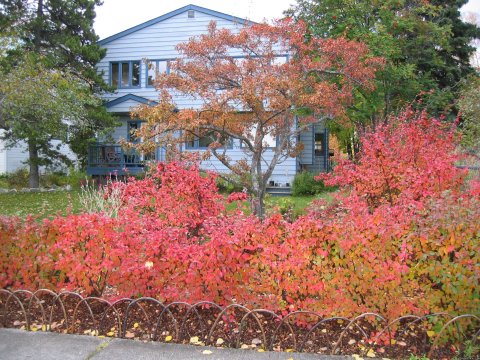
127 97
171 14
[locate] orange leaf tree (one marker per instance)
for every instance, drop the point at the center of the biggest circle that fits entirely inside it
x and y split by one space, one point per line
262 82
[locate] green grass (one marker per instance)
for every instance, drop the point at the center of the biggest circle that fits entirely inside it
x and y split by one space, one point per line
43 204
50 203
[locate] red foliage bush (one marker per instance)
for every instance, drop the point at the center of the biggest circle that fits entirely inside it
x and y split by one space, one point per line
401 237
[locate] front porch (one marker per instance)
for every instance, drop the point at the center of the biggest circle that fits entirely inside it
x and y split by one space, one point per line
113 159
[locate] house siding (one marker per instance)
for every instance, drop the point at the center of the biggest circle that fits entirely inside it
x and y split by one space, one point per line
16 157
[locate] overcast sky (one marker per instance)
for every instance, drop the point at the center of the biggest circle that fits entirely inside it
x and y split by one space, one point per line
118 15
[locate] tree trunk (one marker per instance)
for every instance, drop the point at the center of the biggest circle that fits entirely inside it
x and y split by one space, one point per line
34 174
258 204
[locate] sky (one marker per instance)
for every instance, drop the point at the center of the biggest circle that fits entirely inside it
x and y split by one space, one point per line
118 15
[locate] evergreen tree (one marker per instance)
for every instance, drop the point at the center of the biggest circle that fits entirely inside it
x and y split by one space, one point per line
426 47
60 35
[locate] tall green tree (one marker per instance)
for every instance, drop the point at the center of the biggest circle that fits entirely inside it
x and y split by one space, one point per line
60 35
39 105
425 44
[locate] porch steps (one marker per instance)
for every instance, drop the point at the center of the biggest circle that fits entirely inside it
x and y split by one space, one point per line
279 191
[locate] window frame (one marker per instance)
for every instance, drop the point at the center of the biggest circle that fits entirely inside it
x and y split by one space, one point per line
156 61
322 141
130 74
196 144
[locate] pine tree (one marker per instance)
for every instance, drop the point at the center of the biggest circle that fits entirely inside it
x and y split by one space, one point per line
426 46
60 35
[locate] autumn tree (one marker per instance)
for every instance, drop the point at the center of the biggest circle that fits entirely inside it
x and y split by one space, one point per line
262 82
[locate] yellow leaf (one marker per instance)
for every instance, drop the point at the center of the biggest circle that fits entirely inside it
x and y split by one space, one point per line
206 352
261 350
371 353
111 333
44 328
357 357
101 337
244 346
87 332
33 329
168 338
194 340
289 350
220 341
393 341
430 333
135 325
290 359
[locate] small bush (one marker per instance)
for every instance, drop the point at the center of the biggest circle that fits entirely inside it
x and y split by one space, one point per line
304 183
227 187
17 179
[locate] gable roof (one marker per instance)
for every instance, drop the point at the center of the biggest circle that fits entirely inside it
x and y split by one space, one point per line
172 14
127 97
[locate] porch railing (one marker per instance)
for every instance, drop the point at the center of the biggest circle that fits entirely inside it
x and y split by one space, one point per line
104 159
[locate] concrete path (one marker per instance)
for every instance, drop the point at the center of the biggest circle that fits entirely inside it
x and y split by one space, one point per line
20 345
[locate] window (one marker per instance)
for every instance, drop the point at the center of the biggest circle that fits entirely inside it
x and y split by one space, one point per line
125 74
155 67
132 126
269 140
319 144
203 141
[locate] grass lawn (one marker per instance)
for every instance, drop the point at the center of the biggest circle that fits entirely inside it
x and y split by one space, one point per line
42 204
45 204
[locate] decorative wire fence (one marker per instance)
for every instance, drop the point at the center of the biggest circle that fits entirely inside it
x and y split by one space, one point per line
207 323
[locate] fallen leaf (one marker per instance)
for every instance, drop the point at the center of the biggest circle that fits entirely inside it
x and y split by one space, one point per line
430 333
194 340
135 325
256 341
351 342
371 353
393 341
220 341
402 343
324 331
17 323
129 335
206 352
101 337
244 346
289 350
168 338
357 357
111 333
261 350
